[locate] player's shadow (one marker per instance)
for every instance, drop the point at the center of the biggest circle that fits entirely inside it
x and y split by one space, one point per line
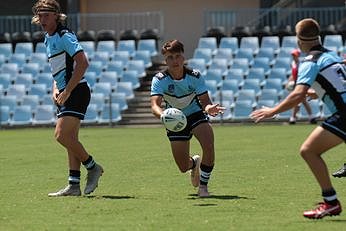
110 197
219 197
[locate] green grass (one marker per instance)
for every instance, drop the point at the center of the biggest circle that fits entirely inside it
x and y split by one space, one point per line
259 182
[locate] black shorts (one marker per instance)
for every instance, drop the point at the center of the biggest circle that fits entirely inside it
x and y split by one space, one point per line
77 104
336 124
193 121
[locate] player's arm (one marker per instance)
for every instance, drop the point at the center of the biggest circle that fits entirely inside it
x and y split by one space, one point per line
208 107
155 102
81 65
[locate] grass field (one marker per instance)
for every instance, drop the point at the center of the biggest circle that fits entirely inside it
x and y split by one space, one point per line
259 182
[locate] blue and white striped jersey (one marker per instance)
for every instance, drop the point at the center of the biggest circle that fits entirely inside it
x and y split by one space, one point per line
181 94
61 47
324 71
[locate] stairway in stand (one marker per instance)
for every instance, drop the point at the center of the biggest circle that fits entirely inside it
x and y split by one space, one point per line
139 111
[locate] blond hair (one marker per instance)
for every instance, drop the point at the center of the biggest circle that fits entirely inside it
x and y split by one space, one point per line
47 6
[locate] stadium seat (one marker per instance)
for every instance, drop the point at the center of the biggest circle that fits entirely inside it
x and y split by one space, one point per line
245 53
246 94
208 42
214 74
266 52
333 41
231 43
98 99
31 68
22 115
253 84
4 115
39 89
132 77
127 45
285 63
129 34
91 78
24 78
44 115
88 48
265 103
18 58
285 52
224 53
316 110
116 66
26 48
226 115
230 84
47 100
40 48
101 56
17 90
3 59
10 101
224 96
241 63
6 49
91 115
198 64
242 110
96 66
278 73
289 41
203 53
5 80
148 45
325 111
32 100
105 35
262 62
256 73
237 74
212 87
86 35
123 56
143 55
251 42
271 42
106 46
104 88
127 88
273 83
137 65
109 77
45 78
269 94
221 64
120 99
110 114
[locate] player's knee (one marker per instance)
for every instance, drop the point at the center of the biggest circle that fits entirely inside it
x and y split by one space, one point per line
183 168
304 152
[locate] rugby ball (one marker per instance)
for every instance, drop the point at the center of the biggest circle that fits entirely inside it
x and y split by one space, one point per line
173 119
290 85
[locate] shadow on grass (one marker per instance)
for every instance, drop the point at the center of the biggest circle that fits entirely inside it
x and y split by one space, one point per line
110 197
219 197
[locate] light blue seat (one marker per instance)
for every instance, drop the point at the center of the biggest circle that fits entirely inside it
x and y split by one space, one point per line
96 66
137 65
106 46
316 109
241 63
265 103
22 115
262 62
123 56
24 78
120 99
127 45
47 100
283 62
91 78
127 88
226 115
285 52
230 84
101 56
18 58
237 74
273 83
98 99
91 115
88 48
214 74
116 66
242 110
40 48
212 87
278 73
269 94
25 48
289 41
31 68
45 78
6 49
254 84
44 115
110 114
197 64
17 90
32 100
245 53
271 42
132 77
221 64
333 41
230 42
224 53
144 56
10 68
267 52
5 80
39 89
203 53
3 59
251 42
246 94
208 42
148 45
105 88
10 101
224 95
256 73
109 77
4 115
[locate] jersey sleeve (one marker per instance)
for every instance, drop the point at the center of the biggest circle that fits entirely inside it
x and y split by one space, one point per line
71 44
156 88
307 73
200 86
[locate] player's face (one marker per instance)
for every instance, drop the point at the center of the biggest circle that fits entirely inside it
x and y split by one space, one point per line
174 60
48 21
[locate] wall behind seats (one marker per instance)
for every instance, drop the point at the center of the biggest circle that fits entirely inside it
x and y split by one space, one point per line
182 19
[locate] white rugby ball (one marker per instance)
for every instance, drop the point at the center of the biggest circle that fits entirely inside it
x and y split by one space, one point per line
173 119
290 85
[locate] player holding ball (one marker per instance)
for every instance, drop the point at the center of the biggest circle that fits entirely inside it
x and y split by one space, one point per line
185 89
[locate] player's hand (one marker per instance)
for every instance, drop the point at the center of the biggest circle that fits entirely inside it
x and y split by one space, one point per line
261 114
214 109
62 97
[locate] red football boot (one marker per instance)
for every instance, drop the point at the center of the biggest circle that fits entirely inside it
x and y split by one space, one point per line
323 210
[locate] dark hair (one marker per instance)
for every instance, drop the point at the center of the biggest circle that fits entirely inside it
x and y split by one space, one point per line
173 46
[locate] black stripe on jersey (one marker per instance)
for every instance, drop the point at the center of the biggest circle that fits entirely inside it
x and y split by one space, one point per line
333 94
58 72
328 66
56 55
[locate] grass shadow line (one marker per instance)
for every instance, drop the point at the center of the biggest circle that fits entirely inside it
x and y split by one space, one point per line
219 197
111 197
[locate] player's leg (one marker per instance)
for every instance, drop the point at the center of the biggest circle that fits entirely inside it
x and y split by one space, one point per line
307 107
318 142
205 136
293 117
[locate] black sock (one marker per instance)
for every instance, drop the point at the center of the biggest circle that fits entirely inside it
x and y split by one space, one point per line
329 196
74 177
205 174
89 163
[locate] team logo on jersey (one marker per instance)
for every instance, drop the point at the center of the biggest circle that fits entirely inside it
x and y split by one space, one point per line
171 88
309 57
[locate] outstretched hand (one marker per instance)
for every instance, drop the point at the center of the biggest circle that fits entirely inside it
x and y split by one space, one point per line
214 109
261 114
